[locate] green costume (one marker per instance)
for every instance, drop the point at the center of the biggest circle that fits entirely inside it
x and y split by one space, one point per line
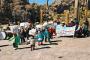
17 41
47 35
40 37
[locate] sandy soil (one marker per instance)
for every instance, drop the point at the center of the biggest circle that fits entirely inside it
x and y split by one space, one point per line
62 49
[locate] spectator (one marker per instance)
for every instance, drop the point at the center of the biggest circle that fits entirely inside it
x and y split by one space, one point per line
85 29
71 24
86 23
76 21
22 35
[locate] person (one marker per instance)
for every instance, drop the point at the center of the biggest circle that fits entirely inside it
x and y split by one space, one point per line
55 24
78 31
50 32
85 29
22 35
17 41
27 33
32 32
76 21
47 36
63 24
86 23
71 24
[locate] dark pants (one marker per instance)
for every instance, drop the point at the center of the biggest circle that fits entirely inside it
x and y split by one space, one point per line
47 39
22 39
78 33
51 35
86 33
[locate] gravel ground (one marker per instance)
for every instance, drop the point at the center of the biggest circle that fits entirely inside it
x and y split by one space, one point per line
62 49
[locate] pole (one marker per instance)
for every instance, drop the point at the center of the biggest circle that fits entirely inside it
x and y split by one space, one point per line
67 17
86 8
47 4
1 2
14 17
41 13
76 9
47 10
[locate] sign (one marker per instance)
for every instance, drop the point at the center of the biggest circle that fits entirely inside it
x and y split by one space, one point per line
65 31
2 35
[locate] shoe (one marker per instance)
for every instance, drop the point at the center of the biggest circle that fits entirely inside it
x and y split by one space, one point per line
16 48
41 43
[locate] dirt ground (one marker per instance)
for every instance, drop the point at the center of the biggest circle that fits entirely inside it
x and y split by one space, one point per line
62 49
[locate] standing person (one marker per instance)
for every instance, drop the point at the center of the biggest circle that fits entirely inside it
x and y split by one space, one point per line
47 36
85 29
27 33
22 35
76 21
86 23
17 41
50 32
32 32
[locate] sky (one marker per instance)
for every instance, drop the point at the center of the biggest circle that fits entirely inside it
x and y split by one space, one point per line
41 2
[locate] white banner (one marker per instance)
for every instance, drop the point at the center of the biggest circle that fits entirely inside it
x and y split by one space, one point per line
2 35
65 31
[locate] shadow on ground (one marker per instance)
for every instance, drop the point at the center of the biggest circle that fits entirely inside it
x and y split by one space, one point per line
51 44
47 47
57 41
60 57
24 48
4 45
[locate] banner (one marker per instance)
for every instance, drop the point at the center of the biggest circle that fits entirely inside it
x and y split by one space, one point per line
2 35
65 31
